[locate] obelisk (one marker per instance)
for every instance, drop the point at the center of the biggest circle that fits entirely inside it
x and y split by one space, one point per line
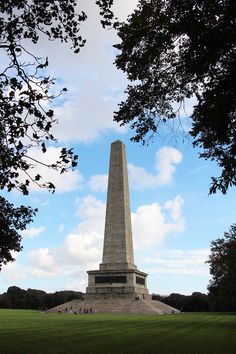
117 286
117 276
118 244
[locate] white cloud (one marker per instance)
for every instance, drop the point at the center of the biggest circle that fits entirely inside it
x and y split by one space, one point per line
190 262
82 248
174 207
98 183
61 227
42 262
12 272
78 284
122 11
153 223
32 232
166 158
95 87
92 214
65 182
39 201
85 117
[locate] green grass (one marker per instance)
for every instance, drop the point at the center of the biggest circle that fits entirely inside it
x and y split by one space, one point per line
32 332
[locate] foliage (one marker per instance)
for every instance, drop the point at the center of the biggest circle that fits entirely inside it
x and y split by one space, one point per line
11 220
26 91
222 261
197 302
106 12
26 95
17 298
172 50
26 120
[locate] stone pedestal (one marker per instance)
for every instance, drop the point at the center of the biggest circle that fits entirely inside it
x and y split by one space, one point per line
126 283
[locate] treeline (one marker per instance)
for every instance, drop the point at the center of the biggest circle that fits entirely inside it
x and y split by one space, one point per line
17 298
196 302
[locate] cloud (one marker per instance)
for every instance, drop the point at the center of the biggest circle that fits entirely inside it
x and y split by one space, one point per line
191 262
139 178
61 227
39 201
153 223
88 115
77 284
91 211
43 263
94 87
122 11
81 249
65 182
12 272
166 158
98 183
42 258
32 232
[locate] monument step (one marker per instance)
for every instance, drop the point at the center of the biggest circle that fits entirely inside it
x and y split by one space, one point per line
125 306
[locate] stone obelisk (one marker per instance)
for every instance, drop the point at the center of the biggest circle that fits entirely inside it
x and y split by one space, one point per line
118 275
118 243
118 286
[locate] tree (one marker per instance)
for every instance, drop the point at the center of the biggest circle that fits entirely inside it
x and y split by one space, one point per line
25 88
222 260
11 221
172 50
187 303
16 297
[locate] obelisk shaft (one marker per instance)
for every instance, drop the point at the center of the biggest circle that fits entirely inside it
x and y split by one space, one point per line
118 244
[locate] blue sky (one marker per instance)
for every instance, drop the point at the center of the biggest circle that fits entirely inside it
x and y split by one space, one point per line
174 220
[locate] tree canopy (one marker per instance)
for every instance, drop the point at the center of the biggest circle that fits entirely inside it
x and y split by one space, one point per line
222 260
26 94
26 121
173 50
11 221
17 298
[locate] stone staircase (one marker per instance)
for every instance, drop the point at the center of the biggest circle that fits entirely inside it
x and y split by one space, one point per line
116 305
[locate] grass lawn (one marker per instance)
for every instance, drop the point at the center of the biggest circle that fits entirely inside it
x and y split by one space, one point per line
32 332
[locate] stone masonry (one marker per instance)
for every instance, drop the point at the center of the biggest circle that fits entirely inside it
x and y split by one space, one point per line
118 286
117 274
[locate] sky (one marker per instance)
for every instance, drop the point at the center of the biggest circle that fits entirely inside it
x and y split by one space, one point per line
174 219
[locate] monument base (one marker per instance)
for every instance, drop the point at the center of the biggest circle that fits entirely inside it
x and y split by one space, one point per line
117 305
129 283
